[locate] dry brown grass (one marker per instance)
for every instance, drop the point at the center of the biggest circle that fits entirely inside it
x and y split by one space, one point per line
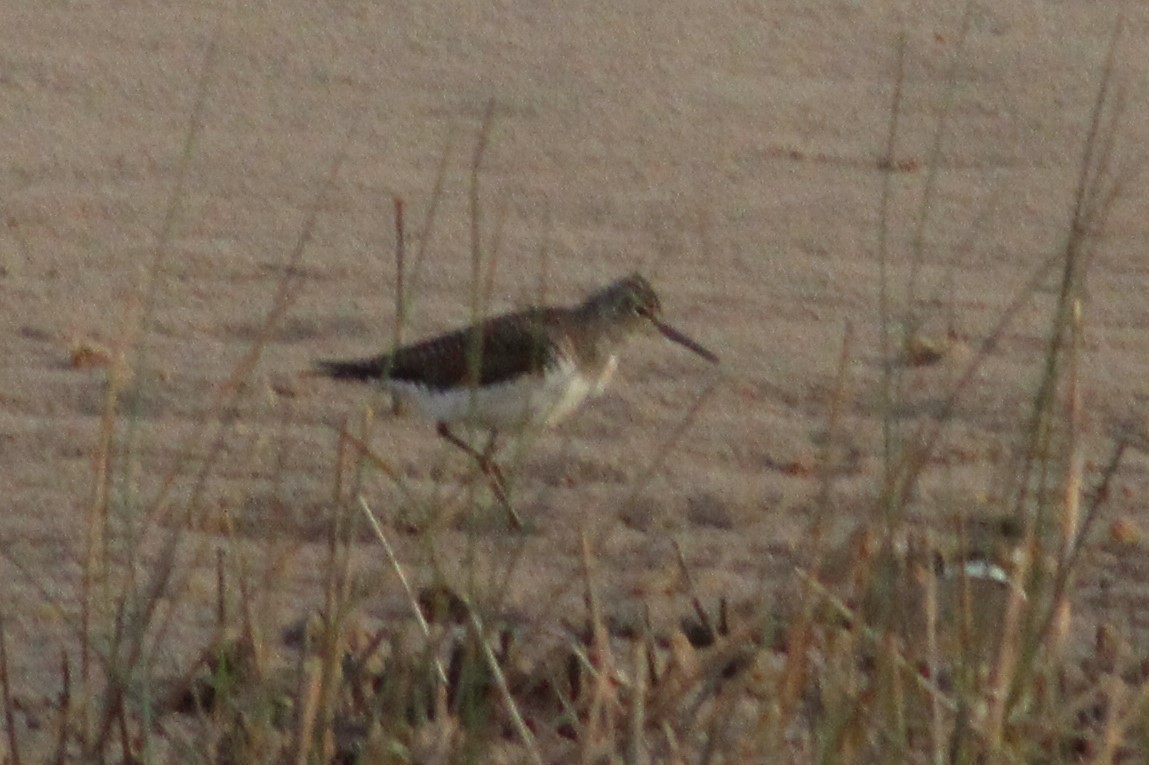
906 643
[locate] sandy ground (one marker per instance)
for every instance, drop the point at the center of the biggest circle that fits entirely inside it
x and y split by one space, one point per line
730 151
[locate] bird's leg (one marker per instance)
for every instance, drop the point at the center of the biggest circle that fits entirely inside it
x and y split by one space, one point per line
498 482
481 457
487 464
489 450
492 470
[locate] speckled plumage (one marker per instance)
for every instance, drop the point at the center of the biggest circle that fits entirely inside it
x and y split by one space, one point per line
511 356
528 368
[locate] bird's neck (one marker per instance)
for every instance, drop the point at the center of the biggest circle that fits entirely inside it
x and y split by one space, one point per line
595 338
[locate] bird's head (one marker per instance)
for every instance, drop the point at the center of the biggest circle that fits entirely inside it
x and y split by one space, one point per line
627 305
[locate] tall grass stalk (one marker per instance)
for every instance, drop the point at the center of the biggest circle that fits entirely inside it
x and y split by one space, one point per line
888 663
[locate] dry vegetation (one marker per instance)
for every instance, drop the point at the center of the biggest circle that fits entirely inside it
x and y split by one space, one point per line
939 643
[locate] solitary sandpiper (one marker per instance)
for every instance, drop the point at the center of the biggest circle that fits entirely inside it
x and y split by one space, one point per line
521 370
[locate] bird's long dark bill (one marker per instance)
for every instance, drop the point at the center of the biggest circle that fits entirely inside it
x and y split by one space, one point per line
673 334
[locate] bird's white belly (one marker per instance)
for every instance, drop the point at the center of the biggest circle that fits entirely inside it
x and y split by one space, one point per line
533 400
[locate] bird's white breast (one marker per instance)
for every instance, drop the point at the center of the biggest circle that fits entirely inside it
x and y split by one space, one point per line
531 400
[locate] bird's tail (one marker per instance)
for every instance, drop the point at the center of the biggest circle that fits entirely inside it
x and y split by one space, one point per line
356 369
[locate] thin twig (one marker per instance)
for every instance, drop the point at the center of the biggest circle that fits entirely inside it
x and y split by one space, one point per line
699 611
400 287
883 247
398 567
520 725
933 163
65 709
9 706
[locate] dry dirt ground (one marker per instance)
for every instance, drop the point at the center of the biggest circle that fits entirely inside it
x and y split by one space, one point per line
729 150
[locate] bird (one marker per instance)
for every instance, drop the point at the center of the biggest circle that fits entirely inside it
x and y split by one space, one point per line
528 369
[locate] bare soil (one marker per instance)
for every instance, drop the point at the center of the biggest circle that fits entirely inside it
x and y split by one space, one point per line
730 151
